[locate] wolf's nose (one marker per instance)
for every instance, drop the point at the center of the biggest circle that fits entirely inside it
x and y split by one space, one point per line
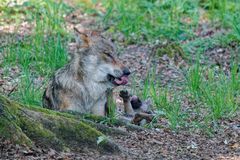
126 71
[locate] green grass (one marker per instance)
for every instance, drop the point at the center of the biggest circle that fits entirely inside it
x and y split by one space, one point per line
217 93
214 94
236 26
36 58
148 20
201 45
41 53
165 103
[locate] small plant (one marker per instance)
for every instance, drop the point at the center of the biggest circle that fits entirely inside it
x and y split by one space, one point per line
164 105
235 24
171 109
111 108
41 53
173 114
217 92
235 77
194 79
28 92
219 95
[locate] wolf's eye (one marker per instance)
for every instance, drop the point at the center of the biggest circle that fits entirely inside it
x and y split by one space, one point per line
108 55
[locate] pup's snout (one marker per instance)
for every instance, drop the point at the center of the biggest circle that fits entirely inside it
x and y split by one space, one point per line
126 71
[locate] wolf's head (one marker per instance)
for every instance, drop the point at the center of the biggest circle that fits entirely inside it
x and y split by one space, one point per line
97 60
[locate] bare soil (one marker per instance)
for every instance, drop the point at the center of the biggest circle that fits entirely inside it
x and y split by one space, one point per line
159 143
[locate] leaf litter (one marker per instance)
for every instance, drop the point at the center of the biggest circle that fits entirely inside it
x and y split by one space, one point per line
155 143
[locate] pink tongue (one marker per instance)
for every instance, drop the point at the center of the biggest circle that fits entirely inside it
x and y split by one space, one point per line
122 81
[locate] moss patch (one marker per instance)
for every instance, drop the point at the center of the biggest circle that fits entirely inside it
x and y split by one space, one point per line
51 129
170 49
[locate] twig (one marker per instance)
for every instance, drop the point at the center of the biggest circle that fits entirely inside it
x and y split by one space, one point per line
12 90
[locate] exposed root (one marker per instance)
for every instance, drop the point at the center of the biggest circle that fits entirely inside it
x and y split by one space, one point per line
60 131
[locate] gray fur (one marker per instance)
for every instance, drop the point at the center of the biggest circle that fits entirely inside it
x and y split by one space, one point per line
82 84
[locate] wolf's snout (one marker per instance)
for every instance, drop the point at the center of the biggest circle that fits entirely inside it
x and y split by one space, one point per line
120 76
126 71
118 73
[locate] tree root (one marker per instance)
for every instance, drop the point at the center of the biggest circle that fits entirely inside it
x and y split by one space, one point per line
61 131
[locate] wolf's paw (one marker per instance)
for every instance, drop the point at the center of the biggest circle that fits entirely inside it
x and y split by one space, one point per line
124 94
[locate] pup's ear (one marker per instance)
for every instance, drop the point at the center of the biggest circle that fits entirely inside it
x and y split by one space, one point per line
82 39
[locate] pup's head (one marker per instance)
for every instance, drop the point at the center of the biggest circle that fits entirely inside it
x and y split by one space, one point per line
98 60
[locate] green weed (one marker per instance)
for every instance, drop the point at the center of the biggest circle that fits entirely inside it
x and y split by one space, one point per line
164 105
219 98
152 19
166 19
111 106
235 24
218 93
28 91
215 93
41 53
194 79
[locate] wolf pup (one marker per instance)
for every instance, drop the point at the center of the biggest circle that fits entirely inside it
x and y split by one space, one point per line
84 83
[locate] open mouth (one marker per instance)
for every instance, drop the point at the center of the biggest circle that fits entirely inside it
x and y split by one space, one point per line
118 80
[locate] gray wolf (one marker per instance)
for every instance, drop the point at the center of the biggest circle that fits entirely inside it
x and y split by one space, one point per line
84 84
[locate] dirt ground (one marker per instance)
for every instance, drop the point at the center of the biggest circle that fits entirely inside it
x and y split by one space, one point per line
149 144
159 143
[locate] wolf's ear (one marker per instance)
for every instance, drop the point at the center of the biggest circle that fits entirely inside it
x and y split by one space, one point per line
82 39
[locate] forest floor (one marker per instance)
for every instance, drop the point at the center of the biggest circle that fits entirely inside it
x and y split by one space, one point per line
155 142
